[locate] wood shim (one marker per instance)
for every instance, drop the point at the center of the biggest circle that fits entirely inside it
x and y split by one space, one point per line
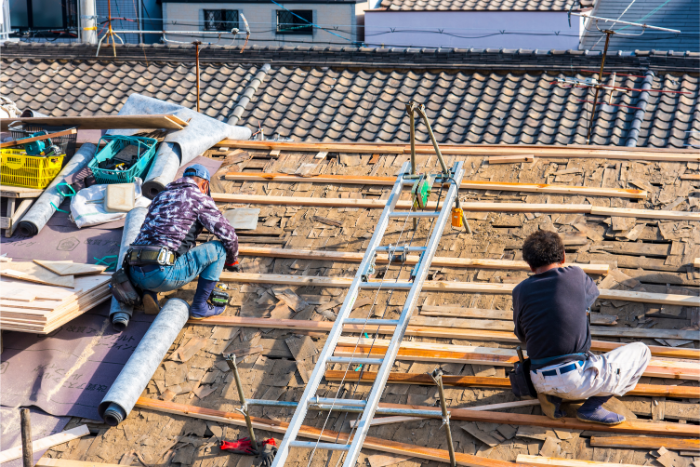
555 462
554 152
466 184
45 443
468 207
646 390
69 268
107 122
454 287
343 256
383 445
511 159
301 325
636 442
31 272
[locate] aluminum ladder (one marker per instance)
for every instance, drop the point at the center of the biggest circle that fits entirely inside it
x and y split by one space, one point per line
368 408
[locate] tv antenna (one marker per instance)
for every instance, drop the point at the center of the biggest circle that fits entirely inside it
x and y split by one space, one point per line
597 83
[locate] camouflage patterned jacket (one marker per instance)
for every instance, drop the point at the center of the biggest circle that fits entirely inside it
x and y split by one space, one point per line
177 215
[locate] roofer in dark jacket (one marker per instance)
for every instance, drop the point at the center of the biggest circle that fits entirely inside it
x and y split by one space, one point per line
168 258
549 311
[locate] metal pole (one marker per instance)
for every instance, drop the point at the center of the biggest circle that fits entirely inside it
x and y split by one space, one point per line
88 22
109 33
231 360
421 110
608 33
437 377
196 45
27 450
409 108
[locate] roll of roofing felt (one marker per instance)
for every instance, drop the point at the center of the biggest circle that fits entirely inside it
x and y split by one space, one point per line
119 313
47 204
163 169
143 363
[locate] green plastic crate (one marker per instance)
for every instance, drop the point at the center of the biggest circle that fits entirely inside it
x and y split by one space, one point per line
146 148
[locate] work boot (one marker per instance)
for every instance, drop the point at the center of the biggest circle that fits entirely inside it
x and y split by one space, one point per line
592 411
150 302
551 406
201 307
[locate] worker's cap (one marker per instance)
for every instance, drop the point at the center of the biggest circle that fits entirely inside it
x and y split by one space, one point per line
197 170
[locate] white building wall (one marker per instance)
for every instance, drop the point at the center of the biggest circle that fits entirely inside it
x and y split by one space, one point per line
262 19
467 29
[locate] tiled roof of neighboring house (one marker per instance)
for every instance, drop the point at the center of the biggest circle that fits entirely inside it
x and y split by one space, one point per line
485 5
367 104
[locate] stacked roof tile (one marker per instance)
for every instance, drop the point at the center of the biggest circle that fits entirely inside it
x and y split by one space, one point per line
367 104
484 5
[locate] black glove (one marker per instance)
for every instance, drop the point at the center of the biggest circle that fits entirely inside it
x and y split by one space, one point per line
268 454
233 267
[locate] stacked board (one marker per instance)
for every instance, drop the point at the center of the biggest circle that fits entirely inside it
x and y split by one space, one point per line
37 308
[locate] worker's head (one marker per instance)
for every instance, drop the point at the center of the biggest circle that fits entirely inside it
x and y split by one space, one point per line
201 176
543 250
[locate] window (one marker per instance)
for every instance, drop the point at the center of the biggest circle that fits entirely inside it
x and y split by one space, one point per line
53 15
220 20
295 22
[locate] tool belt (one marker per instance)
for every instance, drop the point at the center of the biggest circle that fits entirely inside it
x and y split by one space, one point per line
149 255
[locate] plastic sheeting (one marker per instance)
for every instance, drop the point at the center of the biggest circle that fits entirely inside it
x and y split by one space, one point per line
199 135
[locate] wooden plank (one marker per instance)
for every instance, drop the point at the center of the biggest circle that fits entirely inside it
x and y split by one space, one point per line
646 442
344 256
313 147
448 353
19 192
367 377
468 207
457 311
17 216
466 184
106 122
555 152
383 445
638 249
69 268
34 273
55 134
645 333
45 443
299 325
690 177
453 287
494 325
696 262
645 213
556 462
510 159
48 462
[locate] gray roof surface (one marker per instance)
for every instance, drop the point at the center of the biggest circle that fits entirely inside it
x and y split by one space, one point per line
367 104
484 5
683 15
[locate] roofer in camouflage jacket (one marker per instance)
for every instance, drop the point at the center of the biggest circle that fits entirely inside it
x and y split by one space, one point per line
175 218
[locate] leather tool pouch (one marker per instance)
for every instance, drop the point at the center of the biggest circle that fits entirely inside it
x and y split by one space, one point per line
122 288
520 381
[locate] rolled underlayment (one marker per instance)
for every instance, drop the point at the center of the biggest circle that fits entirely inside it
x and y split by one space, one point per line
45 206
119 313
178 147
143 363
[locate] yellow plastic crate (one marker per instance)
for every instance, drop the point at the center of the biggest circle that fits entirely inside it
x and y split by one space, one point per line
19 169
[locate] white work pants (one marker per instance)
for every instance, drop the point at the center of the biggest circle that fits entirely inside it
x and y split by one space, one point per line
612 374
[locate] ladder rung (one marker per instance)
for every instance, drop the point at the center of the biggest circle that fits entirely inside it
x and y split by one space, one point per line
372 322
386 285
313 445
404 214
328 400
368 361
396 250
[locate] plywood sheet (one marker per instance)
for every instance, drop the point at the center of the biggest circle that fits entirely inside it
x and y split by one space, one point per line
69 268
34 273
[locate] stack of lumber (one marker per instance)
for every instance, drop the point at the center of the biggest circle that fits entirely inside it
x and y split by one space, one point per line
41 308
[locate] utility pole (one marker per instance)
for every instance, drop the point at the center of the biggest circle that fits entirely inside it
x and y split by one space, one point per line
88 22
